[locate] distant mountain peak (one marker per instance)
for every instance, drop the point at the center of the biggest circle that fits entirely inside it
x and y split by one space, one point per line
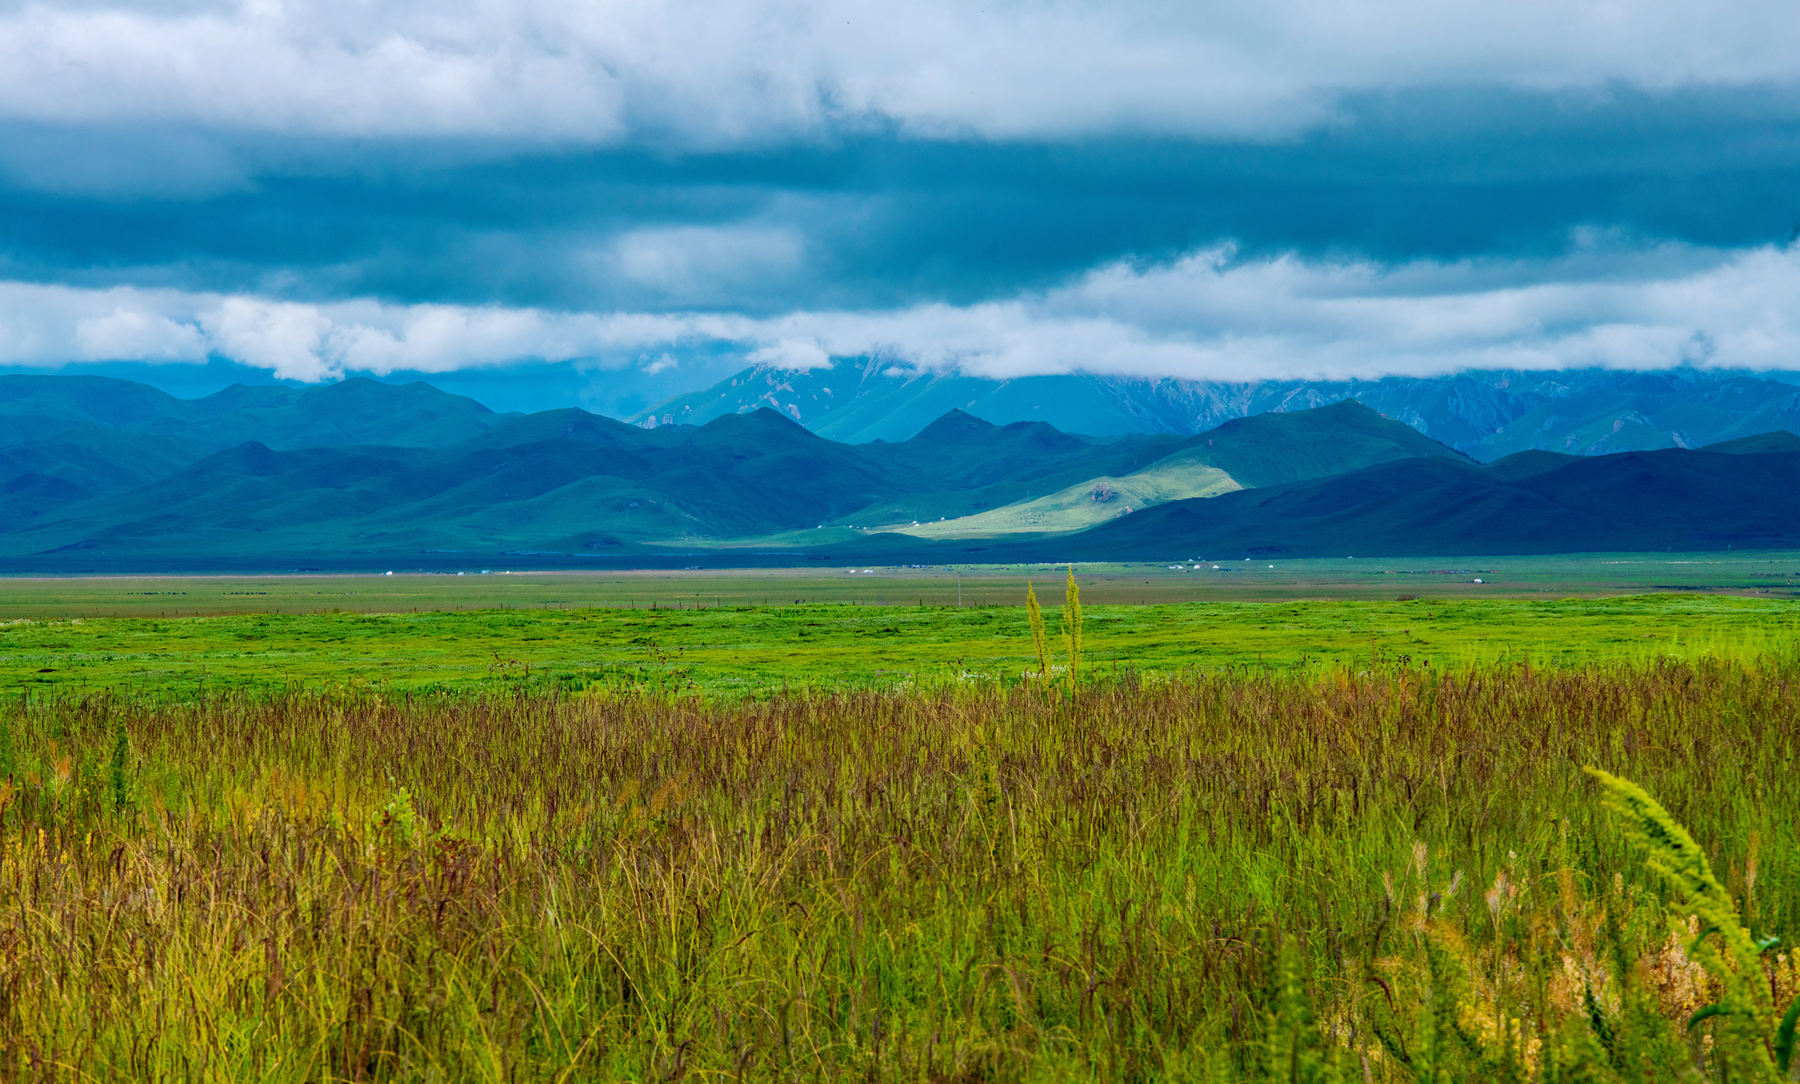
953 423
252 457
760 420
1344 407
1483 414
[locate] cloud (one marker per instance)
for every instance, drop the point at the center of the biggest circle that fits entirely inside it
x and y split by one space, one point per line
725 72
283 337
685 262
379 186
53 325
129 161
793 353
877 222
1211 314
137 334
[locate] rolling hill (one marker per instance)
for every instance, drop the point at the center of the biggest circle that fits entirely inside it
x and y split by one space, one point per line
1743 494
1267 449
108 476
355 411
113 474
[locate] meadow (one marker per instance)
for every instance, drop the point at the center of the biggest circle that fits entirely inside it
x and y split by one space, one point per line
1223 578
762 651
1333 840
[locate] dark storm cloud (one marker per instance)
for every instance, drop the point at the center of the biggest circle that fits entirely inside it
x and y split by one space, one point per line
884 220
408 187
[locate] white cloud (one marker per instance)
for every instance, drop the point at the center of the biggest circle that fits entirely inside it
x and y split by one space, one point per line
52 325
731 71
1208 315
684 262
792 354
137 334
283 337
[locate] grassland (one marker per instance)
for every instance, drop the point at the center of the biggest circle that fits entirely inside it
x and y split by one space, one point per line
1344 839
761 651
1395 876
1770 575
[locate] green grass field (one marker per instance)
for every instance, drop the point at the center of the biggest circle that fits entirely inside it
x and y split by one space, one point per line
514 836
1772 575
763 650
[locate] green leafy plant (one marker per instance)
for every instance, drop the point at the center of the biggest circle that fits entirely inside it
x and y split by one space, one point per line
398 823
1725 947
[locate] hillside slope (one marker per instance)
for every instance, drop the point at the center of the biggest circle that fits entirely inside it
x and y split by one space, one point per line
1264 450
356 411
1673 498
561 485
413 475
571 482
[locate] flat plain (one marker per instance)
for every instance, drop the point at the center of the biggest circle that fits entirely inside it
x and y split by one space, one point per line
757 632
1763 574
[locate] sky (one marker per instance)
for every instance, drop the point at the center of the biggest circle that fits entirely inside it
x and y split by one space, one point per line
541 202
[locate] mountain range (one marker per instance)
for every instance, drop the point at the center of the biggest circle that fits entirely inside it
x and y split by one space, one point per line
1742 494
107 475
1486 415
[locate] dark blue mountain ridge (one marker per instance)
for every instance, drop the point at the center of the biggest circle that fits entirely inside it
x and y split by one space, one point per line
109 476
1740 494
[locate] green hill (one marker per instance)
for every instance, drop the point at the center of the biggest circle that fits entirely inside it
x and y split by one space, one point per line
961 466
1081 506
35 408
106 476
1265 450
1662 499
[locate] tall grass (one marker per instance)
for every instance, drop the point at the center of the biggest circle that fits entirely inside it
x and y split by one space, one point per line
1040 643
1072 626
1392 875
